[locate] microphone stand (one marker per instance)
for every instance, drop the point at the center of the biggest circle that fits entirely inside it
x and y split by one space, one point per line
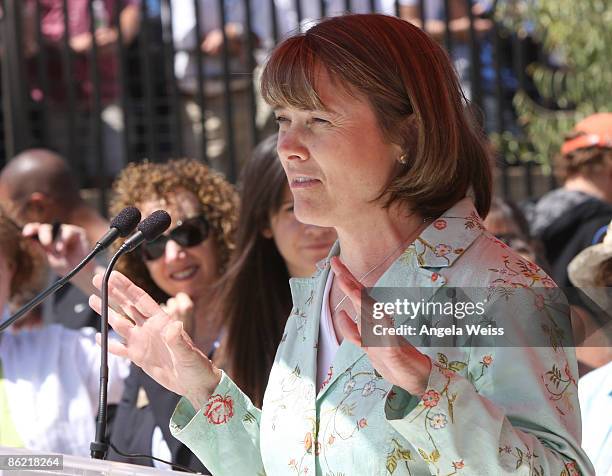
51 289
149 229
99 447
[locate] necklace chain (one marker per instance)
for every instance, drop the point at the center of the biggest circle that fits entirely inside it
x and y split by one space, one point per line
425 220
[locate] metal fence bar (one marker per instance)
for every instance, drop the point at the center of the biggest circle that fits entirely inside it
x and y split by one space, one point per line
499 87
168 39
43 77
348 6
200 79
422 14
373 6
274 20
518 60
323 8
298 12
474 59
14 92
448 37
500 103
229 115
95 118
145 59
70 90
123 82
251 67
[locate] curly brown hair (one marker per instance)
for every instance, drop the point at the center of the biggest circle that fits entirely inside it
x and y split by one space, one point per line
145 181
30 266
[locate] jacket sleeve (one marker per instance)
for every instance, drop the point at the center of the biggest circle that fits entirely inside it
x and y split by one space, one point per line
503 409
224 434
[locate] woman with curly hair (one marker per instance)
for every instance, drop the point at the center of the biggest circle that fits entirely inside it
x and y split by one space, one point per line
179 270
49 374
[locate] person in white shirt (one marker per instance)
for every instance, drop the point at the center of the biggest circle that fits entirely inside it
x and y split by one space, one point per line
595 394
49 375
591 270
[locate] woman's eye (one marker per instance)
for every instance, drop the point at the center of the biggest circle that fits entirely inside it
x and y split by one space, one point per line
281 119
320 120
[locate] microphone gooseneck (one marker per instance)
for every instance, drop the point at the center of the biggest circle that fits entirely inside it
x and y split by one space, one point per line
149 229
125 221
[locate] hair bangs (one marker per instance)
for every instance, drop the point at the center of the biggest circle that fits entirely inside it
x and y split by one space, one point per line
288 79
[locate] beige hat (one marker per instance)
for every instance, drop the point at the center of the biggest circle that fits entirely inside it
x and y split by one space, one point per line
583 268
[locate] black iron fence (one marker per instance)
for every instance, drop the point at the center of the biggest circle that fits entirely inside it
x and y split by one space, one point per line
156 79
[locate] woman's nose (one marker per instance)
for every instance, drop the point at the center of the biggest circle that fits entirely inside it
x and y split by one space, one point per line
173 251
290 145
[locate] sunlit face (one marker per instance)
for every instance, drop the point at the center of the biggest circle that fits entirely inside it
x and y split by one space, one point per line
300 245
191 270
337 161
6 276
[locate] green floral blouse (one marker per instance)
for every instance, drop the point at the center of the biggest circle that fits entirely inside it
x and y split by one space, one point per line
486 411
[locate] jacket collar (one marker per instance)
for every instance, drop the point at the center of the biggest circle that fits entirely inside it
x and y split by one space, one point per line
449 236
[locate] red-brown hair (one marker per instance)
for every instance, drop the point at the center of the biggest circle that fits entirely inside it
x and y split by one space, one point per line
414 91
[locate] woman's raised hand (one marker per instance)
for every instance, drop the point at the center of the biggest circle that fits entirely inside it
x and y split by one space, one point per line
155 342
397 360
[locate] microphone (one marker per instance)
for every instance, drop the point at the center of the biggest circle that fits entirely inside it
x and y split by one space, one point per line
121 225
149 229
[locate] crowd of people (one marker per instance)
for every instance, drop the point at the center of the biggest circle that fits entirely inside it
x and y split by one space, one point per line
237 345
178 101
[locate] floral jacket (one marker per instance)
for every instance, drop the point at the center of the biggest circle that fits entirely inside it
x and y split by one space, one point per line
486 411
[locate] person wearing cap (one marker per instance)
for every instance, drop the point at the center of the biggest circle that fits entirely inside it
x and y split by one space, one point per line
591 270
566 219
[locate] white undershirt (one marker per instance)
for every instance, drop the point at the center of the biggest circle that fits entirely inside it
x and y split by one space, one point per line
328 342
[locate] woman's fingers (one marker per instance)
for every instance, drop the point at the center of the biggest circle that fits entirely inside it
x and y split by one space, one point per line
348 283
143 303
349 328
114 347
121 324
179 343
120 303
125 300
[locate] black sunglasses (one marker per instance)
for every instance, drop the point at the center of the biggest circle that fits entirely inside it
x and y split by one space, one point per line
188 233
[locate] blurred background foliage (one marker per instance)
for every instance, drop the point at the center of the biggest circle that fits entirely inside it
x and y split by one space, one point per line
573 81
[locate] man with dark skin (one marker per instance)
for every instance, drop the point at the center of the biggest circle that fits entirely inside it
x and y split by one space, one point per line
37 187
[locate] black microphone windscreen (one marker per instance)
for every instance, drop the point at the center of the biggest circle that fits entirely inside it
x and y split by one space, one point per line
154 225
126 220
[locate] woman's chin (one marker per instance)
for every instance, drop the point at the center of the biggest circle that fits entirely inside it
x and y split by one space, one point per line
313 214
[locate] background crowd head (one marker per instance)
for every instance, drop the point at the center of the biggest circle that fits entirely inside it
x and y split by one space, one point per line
142 183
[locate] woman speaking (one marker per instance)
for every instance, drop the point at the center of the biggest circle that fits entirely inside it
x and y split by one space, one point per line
376 142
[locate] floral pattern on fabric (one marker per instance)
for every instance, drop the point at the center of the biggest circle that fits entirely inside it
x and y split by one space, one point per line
219 409
358 423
